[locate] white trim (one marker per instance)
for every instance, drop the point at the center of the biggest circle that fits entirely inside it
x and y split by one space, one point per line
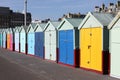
46 26
113 22
63 22
86 18
36 28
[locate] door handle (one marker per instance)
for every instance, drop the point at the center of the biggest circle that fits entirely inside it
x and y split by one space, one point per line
89 46
88 62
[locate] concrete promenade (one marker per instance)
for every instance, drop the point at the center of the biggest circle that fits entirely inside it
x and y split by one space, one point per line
18 66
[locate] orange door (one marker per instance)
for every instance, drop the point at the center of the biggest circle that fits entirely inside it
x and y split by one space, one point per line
8 41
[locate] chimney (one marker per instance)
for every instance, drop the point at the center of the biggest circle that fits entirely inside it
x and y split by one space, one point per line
118 3
103 6
97 9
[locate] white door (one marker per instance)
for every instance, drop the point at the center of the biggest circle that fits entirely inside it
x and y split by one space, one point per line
47 45
16 41
115 52
53 45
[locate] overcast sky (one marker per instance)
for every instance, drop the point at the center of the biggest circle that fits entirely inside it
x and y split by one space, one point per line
42 9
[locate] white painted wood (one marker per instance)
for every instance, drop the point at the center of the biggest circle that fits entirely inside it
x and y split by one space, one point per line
53 45
66 26
114 50
50 41
50 27
91 22
16 41
50 45
47 45
115 57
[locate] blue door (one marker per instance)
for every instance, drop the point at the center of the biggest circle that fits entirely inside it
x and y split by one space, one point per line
4 40
66 50
0 39
23 42
70 48
31 42
39 44
62 46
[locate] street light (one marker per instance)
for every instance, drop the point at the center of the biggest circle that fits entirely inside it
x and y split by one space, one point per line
25 12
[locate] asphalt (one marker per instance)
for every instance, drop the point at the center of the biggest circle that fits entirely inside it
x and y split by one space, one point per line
18 66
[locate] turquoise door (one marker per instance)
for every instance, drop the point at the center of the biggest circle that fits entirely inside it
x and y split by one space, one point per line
0 39
23 42
31 43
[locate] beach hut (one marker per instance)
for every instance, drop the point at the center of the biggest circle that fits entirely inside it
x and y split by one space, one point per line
39 40
23 39
51 35
68 41
17 38
114 48
4 38
94 42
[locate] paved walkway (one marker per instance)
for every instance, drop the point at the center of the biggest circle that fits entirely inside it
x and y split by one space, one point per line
18 66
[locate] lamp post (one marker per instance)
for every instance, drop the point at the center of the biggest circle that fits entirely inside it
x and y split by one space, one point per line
25 12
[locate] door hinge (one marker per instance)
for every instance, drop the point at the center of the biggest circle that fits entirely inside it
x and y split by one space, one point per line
90 34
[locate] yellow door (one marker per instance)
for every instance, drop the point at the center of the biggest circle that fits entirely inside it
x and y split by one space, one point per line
85 47
91 48
96 49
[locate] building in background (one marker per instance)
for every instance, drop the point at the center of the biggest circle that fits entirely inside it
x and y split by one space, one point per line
8 18
112 8
4 17
72 15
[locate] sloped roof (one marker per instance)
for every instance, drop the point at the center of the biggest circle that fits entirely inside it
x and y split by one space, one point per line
19 28
4 30
75 21
55 23
1 30
24 27
10 30
42 25
33 25
117 17
103 18
16 27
